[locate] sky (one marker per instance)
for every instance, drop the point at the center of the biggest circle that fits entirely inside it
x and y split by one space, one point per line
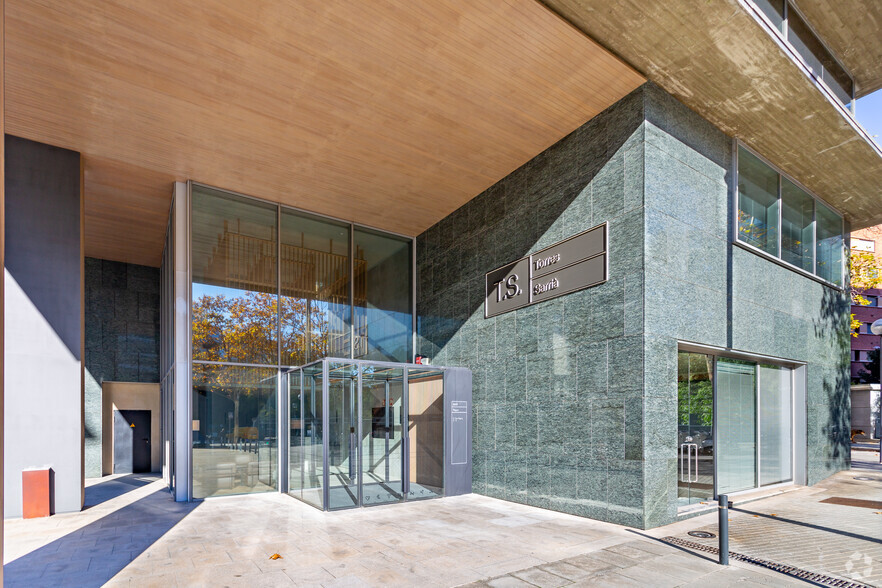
868 111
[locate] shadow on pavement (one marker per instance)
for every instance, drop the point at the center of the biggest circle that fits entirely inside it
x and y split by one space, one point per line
109 489
92 555
808 525
671 545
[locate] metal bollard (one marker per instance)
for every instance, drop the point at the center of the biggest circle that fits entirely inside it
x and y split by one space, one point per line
723 501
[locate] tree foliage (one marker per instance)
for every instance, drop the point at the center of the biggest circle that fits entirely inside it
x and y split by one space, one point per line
243 329
865 272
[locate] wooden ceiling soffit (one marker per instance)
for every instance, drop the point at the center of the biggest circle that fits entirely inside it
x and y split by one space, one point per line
389 113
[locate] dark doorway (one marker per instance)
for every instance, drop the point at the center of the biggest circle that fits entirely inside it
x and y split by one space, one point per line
131 441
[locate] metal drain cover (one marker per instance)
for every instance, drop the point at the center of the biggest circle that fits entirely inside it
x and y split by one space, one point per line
701 534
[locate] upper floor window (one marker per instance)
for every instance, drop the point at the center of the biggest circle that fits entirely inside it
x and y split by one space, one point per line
871 300
863 245
780 218
793 29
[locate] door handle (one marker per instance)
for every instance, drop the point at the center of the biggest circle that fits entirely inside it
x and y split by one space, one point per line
686 462
694 447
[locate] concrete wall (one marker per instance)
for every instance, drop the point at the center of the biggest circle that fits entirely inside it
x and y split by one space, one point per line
130 396
575 400
122 339
43 328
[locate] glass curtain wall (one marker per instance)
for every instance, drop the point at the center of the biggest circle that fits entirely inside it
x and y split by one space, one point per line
273 287
167 356
315 288
383 302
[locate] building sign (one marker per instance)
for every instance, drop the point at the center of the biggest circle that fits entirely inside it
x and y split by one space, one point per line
573 264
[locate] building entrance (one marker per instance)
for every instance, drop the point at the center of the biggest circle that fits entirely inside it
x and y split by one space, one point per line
367 433
735 426
695 430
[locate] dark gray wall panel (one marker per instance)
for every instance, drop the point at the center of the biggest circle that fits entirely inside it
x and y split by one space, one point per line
122 337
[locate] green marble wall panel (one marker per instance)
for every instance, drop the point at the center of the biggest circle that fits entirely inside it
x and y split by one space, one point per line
575 398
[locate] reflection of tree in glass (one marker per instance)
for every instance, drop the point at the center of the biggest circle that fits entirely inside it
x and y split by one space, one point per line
694 382
243 329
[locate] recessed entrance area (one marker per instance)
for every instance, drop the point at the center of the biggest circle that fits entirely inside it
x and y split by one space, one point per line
131 425
366 433
735 428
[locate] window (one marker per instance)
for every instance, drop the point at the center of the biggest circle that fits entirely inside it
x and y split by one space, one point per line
793 30
871 301
774 11
797 220
757 203
863 245
781 219
829 235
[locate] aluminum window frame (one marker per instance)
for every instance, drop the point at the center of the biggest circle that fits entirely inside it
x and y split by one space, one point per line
738 144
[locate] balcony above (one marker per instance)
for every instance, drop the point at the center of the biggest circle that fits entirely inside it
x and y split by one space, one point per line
719 60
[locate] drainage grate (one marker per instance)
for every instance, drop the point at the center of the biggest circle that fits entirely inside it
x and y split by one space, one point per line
782 568
875 504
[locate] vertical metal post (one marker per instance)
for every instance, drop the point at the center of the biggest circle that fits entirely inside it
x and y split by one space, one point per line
326 496
723 500
405 434
360 450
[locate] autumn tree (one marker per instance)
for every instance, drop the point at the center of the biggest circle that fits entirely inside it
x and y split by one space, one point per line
244 329
865 272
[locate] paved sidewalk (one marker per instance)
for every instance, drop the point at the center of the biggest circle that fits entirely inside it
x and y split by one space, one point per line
134 534
839 537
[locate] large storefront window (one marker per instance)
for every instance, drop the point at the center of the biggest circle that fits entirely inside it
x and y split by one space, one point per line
233 255
778 218
735 425
235 447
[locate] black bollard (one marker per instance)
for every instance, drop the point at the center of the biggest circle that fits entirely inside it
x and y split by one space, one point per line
723 501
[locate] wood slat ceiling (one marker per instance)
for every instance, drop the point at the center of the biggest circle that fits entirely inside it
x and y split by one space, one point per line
390 113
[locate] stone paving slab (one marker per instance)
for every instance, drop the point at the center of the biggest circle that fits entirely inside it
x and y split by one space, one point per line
134 534
800 530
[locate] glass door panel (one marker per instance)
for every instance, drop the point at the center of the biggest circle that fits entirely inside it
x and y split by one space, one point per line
776 432
425 430
382 443
311 451
695 435
342 435
736 424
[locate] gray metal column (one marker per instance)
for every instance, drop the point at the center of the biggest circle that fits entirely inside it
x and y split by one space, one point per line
183 421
